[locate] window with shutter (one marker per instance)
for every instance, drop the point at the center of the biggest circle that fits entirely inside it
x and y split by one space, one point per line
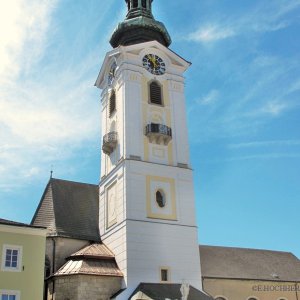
112 103
155 93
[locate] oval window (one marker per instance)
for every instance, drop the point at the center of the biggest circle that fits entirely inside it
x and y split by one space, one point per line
160 199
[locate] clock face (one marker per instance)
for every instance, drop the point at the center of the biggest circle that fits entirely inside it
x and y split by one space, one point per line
154 64
111 74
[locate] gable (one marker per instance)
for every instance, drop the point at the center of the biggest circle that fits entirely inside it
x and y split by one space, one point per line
133 55
69 209
44 215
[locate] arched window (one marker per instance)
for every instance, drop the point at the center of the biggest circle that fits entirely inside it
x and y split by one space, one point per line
252 298
144 3
160 199
155 93
220 298
135 3
112 103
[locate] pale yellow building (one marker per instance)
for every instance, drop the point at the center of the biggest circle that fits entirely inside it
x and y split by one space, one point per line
21 261
249 274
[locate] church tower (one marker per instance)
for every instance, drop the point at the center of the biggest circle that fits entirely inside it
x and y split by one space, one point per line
147 205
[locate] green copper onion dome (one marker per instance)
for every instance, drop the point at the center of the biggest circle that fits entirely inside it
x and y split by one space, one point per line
139 26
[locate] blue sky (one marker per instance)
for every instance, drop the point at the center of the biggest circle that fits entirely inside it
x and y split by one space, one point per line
242 94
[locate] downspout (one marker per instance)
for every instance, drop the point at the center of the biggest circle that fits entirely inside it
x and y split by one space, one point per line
53 265
45 289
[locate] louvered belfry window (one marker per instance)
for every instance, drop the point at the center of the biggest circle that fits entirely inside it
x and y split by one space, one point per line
112 103
155 93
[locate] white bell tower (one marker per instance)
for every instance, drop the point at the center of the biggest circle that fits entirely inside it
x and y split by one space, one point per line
147 205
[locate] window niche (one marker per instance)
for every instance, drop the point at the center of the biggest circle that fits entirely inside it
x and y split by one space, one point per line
155 93
112 103
164 275
135 4
144 3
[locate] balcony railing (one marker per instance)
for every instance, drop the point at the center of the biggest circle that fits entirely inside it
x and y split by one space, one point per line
110 141
159 133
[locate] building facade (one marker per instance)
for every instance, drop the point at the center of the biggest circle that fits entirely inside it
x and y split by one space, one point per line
21 261
249 274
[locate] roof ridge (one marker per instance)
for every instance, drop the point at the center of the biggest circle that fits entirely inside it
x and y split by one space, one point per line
245 248
72 181
100 251
20 224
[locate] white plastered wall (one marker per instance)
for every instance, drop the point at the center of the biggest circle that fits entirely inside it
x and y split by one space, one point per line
145 237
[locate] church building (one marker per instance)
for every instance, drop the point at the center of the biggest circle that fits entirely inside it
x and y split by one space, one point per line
140 234
135 235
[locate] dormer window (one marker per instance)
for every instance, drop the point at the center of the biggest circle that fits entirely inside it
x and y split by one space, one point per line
155 93
112 103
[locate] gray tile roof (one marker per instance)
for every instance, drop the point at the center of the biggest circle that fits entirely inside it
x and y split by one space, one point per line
18 224
239 263
160 291
69 209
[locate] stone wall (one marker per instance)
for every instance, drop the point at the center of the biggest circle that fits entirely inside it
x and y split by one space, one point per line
86 287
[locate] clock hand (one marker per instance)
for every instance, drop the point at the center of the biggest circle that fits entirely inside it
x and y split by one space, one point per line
154 62
151 57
